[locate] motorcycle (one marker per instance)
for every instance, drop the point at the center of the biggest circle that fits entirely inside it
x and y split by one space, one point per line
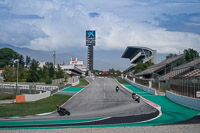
136 97
117 89
62 111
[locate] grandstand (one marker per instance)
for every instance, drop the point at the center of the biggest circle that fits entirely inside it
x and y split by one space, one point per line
193 74
162 68
187 69
136 54
174 74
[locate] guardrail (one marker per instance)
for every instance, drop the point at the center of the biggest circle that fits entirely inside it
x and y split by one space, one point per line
189 102
144 88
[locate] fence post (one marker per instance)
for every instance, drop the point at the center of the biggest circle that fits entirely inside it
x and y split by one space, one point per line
194 89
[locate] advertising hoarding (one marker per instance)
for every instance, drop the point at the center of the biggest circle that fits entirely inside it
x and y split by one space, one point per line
90 37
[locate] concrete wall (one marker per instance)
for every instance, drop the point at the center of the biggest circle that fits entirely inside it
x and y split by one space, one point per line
35 97
144 88
73 80
183 100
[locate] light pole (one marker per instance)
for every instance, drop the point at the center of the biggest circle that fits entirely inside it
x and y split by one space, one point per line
17 76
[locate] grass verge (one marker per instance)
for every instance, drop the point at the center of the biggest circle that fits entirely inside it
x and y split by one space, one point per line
7 96
31 108
82 83
121 81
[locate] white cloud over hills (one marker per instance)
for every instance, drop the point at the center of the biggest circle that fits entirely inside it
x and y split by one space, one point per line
61 25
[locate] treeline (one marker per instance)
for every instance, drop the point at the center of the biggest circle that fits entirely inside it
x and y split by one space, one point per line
190 54
29 70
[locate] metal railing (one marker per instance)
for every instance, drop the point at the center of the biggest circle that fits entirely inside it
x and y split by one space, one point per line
185 86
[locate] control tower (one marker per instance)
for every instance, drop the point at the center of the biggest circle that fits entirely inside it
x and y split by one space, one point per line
90 42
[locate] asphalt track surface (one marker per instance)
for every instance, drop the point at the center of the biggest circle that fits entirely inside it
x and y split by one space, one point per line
98 100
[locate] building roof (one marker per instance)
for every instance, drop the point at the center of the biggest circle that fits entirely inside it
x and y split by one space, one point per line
159 66
136 53
129 68
71 67
189 64
130 50
180 69
173 73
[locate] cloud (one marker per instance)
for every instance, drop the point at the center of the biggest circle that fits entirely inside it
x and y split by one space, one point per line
93 14
10 16
19 34
182 22
168 26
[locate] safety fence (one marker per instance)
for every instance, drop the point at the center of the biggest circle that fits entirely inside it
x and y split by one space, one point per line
13 88
185 86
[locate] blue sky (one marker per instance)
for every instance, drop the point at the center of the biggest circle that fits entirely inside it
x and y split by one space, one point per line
169 26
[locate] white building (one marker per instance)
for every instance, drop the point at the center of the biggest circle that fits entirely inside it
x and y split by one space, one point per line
42 64
79 65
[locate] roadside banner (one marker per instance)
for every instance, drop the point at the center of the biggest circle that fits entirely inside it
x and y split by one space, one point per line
198 94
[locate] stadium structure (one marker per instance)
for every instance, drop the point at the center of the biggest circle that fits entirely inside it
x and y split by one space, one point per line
162 68
136 54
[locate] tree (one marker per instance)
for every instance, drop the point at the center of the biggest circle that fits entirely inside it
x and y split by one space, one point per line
28 60
10 74
171 55
59 73
190 54
142 66
7 56
34 75
51 69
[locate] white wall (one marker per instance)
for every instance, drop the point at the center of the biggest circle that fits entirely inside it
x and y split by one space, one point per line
144 88
35 97
183 100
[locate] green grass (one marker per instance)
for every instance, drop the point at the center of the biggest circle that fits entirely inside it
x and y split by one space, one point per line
31 108
7 96
82 83
121 81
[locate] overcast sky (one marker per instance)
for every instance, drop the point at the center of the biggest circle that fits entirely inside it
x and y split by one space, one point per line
169 26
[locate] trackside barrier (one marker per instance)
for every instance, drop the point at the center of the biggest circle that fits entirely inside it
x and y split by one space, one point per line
189 102
32 97
46 87
35 97
144 88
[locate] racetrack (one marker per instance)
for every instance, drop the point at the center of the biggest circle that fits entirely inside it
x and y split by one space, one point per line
97 104
100 100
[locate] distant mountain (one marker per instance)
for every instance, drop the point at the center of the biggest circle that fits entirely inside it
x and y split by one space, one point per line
103 60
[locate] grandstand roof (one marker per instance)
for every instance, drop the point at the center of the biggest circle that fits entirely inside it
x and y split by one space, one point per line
180 69
154 68
134 51
173 73
192 63
129 68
